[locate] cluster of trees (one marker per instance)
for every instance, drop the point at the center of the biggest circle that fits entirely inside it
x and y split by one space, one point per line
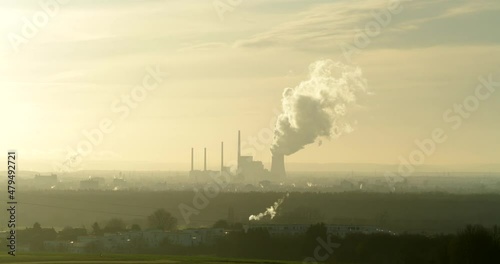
34 237
474 244
159 219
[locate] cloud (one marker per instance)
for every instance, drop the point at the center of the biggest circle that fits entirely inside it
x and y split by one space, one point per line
453 11
323 26
205 47
317 26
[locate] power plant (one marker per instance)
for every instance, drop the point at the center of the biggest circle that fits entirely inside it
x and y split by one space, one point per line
246 168
278 165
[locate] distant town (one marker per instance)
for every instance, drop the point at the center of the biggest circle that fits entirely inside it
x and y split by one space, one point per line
453 182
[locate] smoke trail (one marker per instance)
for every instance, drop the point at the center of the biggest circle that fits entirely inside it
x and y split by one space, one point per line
317 107
271 211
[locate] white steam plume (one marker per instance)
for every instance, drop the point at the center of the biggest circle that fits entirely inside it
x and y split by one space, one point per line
317 107
271 211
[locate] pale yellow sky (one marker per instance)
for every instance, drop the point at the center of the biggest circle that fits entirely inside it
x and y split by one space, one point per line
226 74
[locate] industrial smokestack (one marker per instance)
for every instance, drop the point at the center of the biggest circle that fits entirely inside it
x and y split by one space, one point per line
205 160
221 157
278 165
239 148
192 159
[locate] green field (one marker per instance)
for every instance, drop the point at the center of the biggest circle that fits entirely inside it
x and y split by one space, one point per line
45 258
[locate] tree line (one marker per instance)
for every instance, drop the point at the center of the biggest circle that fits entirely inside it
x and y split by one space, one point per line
474 244
34 237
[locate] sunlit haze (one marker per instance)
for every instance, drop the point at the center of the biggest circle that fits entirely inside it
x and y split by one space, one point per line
221 71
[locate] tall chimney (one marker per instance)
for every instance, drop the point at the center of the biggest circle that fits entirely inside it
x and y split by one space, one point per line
278 165
239 148
205 160
221 157
192 159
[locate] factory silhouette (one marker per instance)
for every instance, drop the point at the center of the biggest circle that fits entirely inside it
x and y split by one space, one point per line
246 169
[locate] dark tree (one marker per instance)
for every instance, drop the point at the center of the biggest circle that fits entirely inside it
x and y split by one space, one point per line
135 227
37 226
34 237
475 244
162 220
96 229
115 225
313 234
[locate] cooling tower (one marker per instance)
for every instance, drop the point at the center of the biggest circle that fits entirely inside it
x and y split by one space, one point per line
278 166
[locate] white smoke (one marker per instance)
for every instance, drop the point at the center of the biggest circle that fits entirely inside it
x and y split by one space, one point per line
318 107
271 211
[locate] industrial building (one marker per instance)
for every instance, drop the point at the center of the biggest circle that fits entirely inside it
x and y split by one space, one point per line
90 184
248 169
45 181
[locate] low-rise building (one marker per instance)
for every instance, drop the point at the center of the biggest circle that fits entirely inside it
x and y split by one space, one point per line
148 238
300 229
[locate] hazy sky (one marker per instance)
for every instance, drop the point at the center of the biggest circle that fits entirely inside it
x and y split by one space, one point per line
226 74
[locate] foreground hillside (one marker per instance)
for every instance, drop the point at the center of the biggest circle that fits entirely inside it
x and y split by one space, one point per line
38 258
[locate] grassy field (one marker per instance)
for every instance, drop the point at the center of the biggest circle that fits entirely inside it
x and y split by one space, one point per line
45 258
